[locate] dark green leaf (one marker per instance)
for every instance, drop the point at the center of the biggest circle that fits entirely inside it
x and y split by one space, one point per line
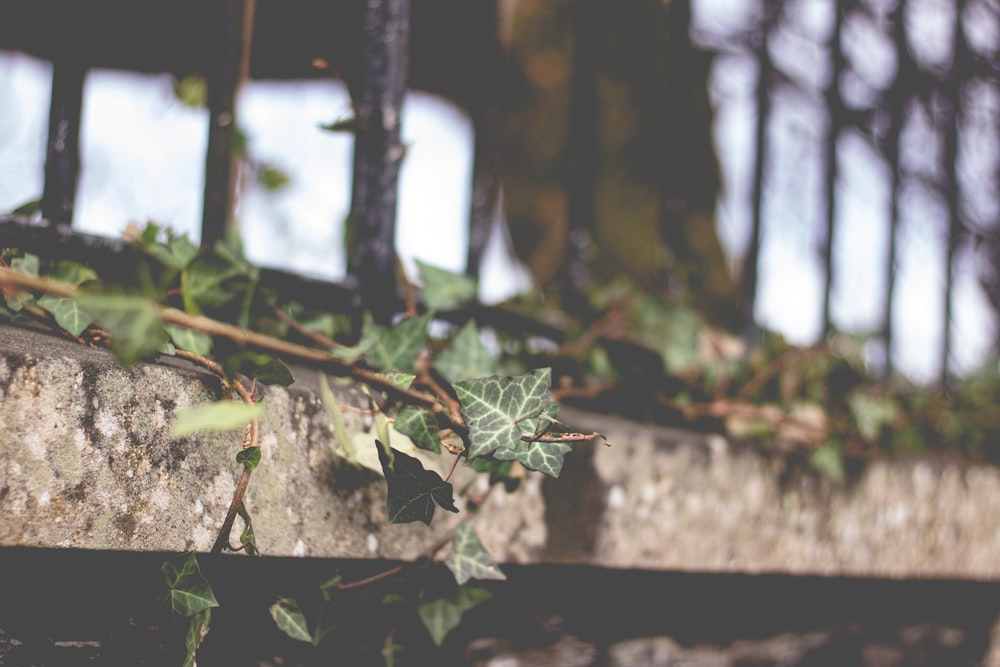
396 348
133 321
444 290
28 208
501 410
441 616
188 591
266 368
466 356
420 425
413 490
247 538
469 559
249 457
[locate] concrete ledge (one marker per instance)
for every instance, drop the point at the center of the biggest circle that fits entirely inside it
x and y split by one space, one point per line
87 462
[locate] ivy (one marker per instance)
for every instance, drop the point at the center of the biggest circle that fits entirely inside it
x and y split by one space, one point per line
469 559
442 615
414 492
221 416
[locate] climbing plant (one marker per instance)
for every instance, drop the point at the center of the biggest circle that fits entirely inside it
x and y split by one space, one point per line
206 305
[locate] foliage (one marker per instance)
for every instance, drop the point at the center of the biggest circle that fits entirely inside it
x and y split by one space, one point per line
461 391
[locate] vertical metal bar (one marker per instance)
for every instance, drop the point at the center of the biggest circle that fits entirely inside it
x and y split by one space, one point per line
751 266
951 119
896 119
226 70
482 108
583 146
62 157
835 108
378 154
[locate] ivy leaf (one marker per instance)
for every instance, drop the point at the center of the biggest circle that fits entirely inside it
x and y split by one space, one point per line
290 619
265 367
188 591
197 629
500 410
546 457
18 298
133 321
871 413
829 460
194 342
444 290
67 312
466 356
441 616
420 425
73 273
397 347
27 264
215 279
401 380
249 457
469 559
221 416
413 490
344 445
247 537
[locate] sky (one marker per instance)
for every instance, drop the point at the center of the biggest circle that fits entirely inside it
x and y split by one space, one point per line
143 160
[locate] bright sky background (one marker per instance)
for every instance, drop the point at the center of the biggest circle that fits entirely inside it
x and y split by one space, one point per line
143 158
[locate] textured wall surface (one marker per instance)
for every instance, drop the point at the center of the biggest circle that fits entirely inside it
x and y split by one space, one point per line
88 462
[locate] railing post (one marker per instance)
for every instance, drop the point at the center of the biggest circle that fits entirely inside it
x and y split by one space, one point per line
378 153
62 157
228 67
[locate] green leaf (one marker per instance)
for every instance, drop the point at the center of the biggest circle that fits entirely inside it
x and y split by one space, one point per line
197 629
249 457
441 616
344 444
397 347
247 537
500 410
220 416
29 208
192 91
266 368
217 279
194 342
413 490
546 457
133 321
290 620
828 461
401 380
466 356
67 312
872 413
342 125
469 559
444 290
420 425
27 264
188 591
73 273
271 179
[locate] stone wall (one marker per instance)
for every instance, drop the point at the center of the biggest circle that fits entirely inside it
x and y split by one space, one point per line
88 463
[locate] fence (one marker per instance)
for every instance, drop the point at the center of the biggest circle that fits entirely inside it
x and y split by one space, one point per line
940 89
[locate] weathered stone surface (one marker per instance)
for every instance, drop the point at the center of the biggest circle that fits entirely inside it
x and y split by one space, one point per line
88 463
